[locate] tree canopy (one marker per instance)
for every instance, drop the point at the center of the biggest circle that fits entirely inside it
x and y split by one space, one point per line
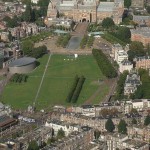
134 121
97 134
109 126
43 7
107 22
27 46
11 22
147 120
33 146
120 85
136 49
124 33
127 3
143 90
27 14
104 64
122 127
60 133
148 9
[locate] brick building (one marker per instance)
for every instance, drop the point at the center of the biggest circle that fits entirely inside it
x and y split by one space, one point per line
141 34
142 62
85 10
125 65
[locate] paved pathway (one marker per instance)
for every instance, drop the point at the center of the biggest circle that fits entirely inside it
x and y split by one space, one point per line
80 29
77 35
38 91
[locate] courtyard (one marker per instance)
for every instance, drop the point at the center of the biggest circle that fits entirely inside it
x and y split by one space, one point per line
58 79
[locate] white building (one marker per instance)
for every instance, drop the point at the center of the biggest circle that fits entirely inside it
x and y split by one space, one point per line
138 104
115 47
120 55
34 1
125 65
57 125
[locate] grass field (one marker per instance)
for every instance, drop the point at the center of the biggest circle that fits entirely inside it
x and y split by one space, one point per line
57 82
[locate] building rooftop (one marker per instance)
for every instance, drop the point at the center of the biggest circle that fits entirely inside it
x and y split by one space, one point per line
22 62
142 58
106 6
144 31
135 143
120 136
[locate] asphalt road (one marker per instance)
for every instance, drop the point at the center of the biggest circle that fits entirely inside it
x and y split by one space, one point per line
74 42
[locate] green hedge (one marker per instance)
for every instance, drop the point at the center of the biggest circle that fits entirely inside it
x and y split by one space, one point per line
69 97
90 41
19 78
63 40
104 64
78 89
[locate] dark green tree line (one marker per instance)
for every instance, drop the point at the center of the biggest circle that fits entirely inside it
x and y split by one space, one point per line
120 85
72 89
78 89
104 64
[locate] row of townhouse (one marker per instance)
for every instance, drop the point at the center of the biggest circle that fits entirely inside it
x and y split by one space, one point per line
94 110
76 140
125 107
138 104
139 132
97 122
57 125
122 142
40 135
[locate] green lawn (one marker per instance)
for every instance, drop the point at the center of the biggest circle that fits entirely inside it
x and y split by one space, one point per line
57 82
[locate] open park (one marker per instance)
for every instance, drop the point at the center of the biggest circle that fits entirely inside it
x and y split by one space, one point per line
57 82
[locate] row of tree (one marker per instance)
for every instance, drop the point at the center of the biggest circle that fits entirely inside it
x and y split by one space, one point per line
83 42
75 89
104 64
120 85
38 37
112 39
122 33
63 40
19 78
87 41
122 126
90 41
